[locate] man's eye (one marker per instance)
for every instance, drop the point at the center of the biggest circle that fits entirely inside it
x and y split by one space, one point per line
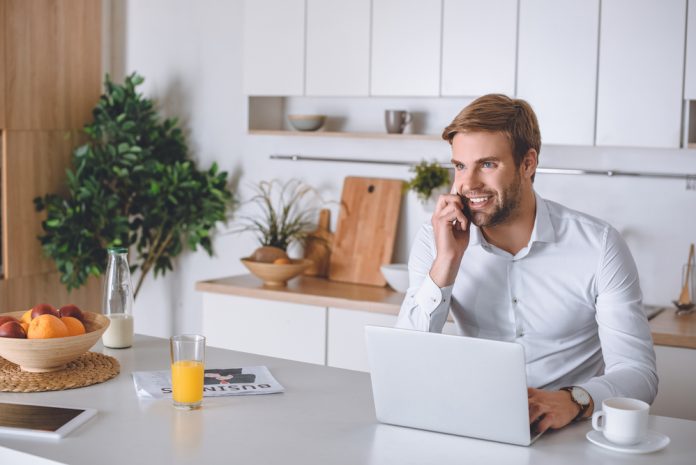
458 166
488 164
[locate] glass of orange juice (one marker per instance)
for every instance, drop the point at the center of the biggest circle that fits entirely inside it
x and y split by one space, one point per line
188 360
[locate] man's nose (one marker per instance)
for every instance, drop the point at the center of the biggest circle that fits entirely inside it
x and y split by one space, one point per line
466 181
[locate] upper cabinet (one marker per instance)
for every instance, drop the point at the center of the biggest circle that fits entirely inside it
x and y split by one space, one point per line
479 42
274 47
641 71
690 74
338 48
557 69
406 47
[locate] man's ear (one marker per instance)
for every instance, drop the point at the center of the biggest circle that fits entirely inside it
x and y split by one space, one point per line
529 163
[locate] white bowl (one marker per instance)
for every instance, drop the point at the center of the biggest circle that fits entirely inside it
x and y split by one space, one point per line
307 122
396 275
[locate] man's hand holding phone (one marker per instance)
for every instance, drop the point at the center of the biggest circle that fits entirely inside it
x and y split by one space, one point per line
451 233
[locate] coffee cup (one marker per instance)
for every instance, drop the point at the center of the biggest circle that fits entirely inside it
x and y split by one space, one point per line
396 120
622 420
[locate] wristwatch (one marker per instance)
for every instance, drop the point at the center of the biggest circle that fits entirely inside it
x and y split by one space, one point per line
581 398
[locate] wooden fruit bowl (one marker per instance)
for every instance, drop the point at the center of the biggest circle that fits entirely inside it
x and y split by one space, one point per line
42 355
276 275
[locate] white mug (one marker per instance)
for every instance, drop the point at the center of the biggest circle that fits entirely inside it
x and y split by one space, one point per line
622 420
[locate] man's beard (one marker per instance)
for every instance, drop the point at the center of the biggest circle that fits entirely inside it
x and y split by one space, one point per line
506 204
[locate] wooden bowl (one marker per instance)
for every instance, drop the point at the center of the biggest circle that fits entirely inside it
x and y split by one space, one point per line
53 354
276 275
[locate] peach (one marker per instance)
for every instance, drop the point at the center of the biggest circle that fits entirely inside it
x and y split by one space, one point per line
5 319
71 310
44 309
12 329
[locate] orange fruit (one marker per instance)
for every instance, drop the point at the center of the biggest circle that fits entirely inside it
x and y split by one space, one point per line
26 317
282 261
75 326
46 326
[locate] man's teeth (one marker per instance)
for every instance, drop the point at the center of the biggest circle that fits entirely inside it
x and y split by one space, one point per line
478 199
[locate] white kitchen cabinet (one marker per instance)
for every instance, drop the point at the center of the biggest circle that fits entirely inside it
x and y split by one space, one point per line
676 393
274 47
641 72
346 338
338 48
406 47
479 41
277 329
690 72
557 67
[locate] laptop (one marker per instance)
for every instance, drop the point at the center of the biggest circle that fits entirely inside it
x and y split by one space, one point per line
450 384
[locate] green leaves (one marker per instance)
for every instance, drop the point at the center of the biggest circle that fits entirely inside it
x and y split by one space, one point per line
428 177
132 184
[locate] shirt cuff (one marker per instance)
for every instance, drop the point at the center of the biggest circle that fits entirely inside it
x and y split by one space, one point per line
599 391
429 297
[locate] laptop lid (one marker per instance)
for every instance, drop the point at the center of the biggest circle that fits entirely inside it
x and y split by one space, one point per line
450 384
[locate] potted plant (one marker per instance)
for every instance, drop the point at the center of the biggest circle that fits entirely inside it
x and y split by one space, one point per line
429 177
284 216
132 184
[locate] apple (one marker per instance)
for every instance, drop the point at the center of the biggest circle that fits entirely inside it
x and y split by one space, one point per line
73 311
12 329
6 318
41 309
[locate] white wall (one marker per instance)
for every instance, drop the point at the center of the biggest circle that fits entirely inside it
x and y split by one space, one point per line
191 55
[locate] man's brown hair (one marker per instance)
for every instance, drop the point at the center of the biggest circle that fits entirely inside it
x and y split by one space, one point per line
500 113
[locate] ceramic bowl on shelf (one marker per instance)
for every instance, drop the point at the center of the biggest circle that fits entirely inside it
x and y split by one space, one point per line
43 355
276 275
307 122
396 275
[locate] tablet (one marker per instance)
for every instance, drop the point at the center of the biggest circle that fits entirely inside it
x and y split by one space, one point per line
41 421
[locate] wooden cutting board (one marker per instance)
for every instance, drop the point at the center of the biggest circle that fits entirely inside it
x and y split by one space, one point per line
366 230
318 246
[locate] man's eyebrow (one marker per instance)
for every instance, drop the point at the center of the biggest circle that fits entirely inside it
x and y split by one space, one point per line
478 160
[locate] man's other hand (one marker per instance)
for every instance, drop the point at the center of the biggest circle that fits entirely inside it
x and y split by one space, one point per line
551 409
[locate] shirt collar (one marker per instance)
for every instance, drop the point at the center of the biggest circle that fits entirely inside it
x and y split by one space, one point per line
543 227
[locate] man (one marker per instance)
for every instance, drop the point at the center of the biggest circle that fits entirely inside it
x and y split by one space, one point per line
512 266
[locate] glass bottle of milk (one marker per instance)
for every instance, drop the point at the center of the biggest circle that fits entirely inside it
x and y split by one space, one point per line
118 300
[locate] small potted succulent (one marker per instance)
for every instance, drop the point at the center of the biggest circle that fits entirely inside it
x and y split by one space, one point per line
429 177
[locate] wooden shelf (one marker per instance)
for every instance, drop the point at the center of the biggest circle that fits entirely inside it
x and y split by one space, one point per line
356 135
670 329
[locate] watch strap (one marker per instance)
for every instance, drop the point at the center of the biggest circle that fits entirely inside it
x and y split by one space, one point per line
583 408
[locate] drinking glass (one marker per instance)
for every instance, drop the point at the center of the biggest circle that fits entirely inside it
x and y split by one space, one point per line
188 361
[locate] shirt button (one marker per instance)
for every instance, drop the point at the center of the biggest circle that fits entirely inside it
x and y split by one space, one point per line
514 300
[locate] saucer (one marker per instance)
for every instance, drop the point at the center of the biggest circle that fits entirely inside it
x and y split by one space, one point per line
653 442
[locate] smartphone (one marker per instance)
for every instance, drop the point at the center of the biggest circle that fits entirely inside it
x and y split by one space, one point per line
465 208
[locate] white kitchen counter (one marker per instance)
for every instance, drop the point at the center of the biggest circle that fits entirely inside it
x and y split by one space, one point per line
325 417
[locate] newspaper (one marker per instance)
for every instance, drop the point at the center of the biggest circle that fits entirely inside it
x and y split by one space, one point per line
217 382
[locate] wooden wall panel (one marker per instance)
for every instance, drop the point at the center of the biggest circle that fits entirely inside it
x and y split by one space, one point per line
53 62
2 63
26 291
34 164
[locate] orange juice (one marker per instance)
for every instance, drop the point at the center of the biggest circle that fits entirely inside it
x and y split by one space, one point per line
187 381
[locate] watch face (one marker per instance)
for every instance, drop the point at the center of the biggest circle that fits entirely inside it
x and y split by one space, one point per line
580 395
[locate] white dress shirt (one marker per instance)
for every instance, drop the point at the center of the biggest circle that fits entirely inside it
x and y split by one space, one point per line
571 298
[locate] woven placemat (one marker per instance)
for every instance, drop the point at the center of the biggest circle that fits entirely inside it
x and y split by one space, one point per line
89 368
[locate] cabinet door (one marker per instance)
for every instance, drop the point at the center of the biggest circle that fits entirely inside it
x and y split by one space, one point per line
34 165
479 40
690 74
273 328
406 47
557 68
52 63
274 47
338 47
641 70
346 341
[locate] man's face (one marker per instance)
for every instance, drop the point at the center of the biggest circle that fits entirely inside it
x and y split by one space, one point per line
486 177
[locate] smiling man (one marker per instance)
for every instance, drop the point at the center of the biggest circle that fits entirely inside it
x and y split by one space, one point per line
512 266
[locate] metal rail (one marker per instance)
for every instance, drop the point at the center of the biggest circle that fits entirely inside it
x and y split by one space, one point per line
689 178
